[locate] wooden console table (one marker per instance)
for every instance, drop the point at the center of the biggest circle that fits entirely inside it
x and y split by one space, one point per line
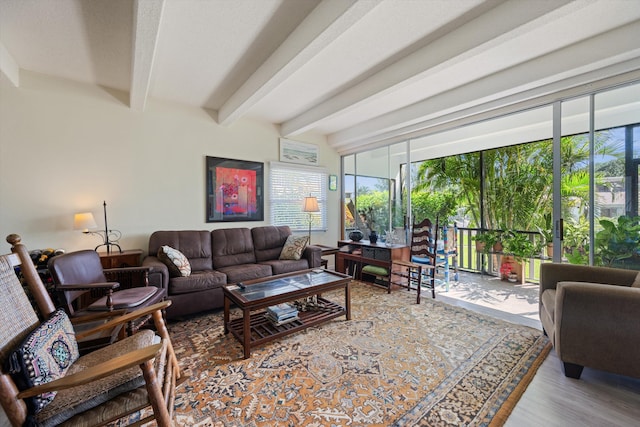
115 259
114 263
365 253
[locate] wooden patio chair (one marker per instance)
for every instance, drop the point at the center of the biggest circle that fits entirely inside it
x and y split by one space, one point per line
420 270
43 382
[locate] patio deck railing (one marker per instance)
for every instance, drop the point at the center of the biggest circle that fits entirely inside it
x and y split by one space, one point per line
473 261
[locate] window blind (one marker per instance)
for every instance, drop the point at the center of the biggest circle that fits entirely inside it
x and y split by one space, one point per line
290 184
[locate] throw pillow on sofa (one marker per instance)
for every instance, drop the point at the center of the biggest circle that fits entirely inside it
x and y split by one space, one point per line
176 262
294 247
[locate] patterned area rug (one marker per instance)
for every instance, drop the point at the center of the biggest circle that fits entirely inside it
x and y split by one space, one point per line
395 363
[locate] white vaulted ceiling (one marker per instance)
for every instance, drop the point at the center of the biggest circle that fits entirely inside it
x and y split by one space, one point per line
361 72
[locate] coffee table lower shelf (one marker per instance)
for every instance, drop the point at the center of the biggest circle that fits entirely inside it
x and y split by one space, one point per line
262 330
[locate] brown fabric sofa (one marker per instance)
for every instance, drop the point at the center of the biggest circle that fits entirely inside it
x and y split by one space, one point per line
592 316
219 257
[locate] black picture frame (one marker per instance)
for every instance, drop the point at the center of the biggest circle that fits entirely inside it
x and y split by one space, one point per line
235 190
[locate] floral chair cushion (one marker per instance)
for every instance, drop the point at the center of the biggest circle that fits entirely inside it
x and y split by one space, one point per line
45 355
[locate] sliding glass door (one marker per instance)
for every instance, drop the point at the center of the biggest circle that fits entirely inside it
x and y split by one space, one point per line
566 175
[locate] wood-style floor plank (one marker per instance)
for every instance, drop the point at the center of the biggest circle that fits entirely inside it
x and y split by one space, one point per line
597 399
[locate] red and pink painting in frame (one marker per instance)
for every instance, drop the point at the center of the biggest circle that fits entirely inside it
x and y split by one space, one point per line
234 190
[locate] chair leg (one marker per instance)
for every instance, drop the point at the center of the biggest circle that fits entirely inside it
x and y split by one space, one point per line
160 411
572 370
456 275
419 285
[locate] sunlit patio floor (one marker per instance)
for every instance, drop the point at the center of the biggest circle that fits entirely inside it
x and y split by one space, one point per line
490 295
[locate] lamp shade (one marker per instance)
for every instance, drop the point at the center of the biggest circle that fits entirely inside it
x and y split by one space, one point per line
310 204
84 221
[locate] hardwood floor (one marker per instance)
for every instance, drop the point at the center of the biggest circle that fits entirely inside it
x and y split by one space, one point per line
597 399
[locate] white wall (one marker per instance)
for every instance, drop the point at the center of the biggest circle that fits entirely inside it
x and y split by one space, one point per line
65 147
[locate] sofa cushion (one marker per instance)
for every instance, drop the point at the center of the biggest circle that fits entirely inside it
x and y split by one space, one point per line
126 299
549 302
231 247
243 272
293 247
194 244
268 241
375 270
176 262
279 266
197 281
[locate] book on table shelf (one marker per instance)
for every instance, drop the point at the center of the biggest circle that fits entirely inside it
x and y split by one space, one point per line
282 313
276 322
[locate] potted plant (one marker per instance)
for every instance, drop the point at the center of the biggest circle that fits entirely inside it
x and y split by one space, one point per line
486 241
506 272
518 247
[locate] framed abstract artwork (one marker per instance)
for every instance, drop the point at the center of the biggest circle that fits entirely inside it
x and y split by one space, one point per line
235 190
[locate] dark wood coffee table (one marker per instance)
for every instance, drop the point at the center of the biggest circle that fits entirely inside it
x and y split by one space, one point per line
254 329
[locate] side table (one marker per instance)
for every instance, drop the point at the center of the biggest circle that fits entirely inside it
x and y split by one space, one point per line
130 259
115 259
327 250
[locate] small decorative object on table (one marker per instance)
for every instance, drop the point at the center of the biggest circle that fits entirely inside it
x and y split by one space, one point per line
373 237
307 304
356 235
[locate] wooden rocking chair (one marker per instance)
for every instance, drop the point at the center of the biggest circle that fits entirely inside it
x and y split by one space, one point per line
106 385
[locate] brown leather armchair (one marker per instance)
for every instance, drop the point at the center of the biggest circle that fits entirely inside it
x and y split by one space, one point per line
591 316
79 274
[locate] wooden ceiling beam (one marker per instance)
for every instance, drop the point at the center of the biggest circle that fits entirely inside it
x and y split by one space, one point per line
474 38
8 66
322 26
147 16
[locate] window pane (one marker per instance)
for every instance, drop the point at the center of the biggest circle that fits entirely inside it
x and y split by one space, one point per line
616 242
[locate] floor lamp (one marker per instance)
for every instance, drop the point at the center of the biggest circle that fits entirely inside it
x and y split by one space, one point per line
310 206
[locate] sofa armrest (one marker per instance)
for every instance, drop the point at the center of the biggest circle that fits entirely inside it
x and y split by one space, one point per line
157 269
313 255
596 325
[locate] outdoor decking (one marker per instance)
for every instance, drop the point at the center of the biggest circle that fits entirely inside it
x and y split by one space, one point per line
490 295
